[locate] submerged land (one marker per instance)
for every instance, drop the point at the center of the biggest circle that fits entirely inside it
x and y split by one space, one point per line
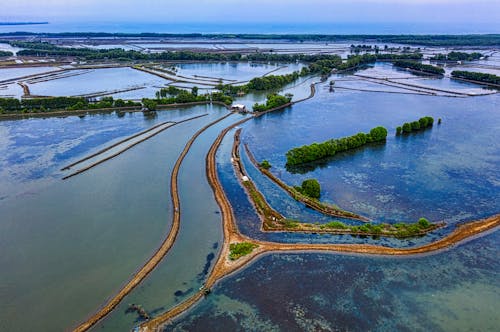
209 101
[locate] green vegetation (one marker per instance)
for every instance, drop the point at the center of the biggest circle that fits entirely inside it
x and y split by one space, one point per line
271 81
265 164
399 230
419 67
6 53
422 123
316 151
149 104
474 76
241 249
426 40
13 105
310 187
173 95
273 101
458 56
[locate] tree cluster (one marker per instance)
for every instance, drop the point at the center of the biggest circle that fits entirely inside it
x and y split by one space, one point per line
475 76
458 56
310 188
316 151
422 123
273 100
419 67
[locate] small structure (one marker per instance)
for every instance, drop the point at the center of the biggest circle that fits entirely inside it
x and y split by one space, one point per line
239 108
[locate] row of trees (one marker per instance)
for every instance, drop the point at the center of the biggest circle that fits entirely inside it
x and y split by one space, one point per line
316 151
6 53
419 66
14 105
173 95
422 123
458 56
475 76
273 100
427 40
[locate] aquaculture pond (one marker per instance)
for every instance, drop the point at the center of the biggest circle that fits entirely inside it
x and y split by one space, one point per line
454 290
69 245
448 172
108 81
235 72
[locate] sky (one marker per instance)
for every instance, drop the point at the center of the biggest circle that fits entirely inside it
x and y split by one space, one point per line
254 11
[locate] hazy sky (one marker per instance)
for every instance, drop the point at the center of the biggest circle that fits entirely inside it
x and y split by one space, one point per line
230 11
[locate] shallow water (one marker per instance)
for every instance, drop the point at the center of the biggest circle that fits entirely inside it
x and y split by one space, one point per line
455 290
448 172
69 245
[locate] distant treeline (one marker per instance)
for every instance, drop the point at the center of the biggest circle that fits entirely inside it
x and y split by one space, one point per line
419 67
474 76
316 151
322 60
13 105
6 53
458 56
425 40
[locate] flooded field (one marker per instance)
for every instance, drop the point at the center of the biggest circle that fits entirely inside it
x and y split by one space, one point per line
105 223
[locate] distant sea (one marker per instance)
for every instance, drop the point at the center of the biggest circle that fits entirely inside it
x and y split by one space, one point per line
264 28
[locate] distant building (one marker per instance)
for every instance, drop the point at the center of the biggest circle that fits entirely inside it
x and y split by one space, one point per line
239 108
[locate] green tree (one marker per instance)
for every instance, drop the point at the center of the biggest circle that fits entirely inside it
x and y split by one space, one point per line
194 91
398 130
265 164
311 188
406 127
415 125
378 134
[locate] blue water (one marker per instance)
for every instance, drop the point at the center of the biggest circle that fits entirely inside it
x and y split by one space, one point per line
268 28
456 290
449 172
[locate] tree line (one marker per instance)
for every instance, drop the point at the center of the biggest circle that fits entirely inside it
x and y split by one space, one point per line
13 105
426 40
6 53
458 56
419 66
475 76
316 151
408 127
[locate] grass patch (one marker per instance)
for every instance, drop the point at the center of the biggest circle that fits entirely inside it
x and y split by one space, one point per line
241 249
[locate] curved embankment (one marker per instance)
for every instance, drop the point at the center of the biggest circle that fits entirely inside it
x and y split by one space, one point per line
128 147
311 203
224 266
164 247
